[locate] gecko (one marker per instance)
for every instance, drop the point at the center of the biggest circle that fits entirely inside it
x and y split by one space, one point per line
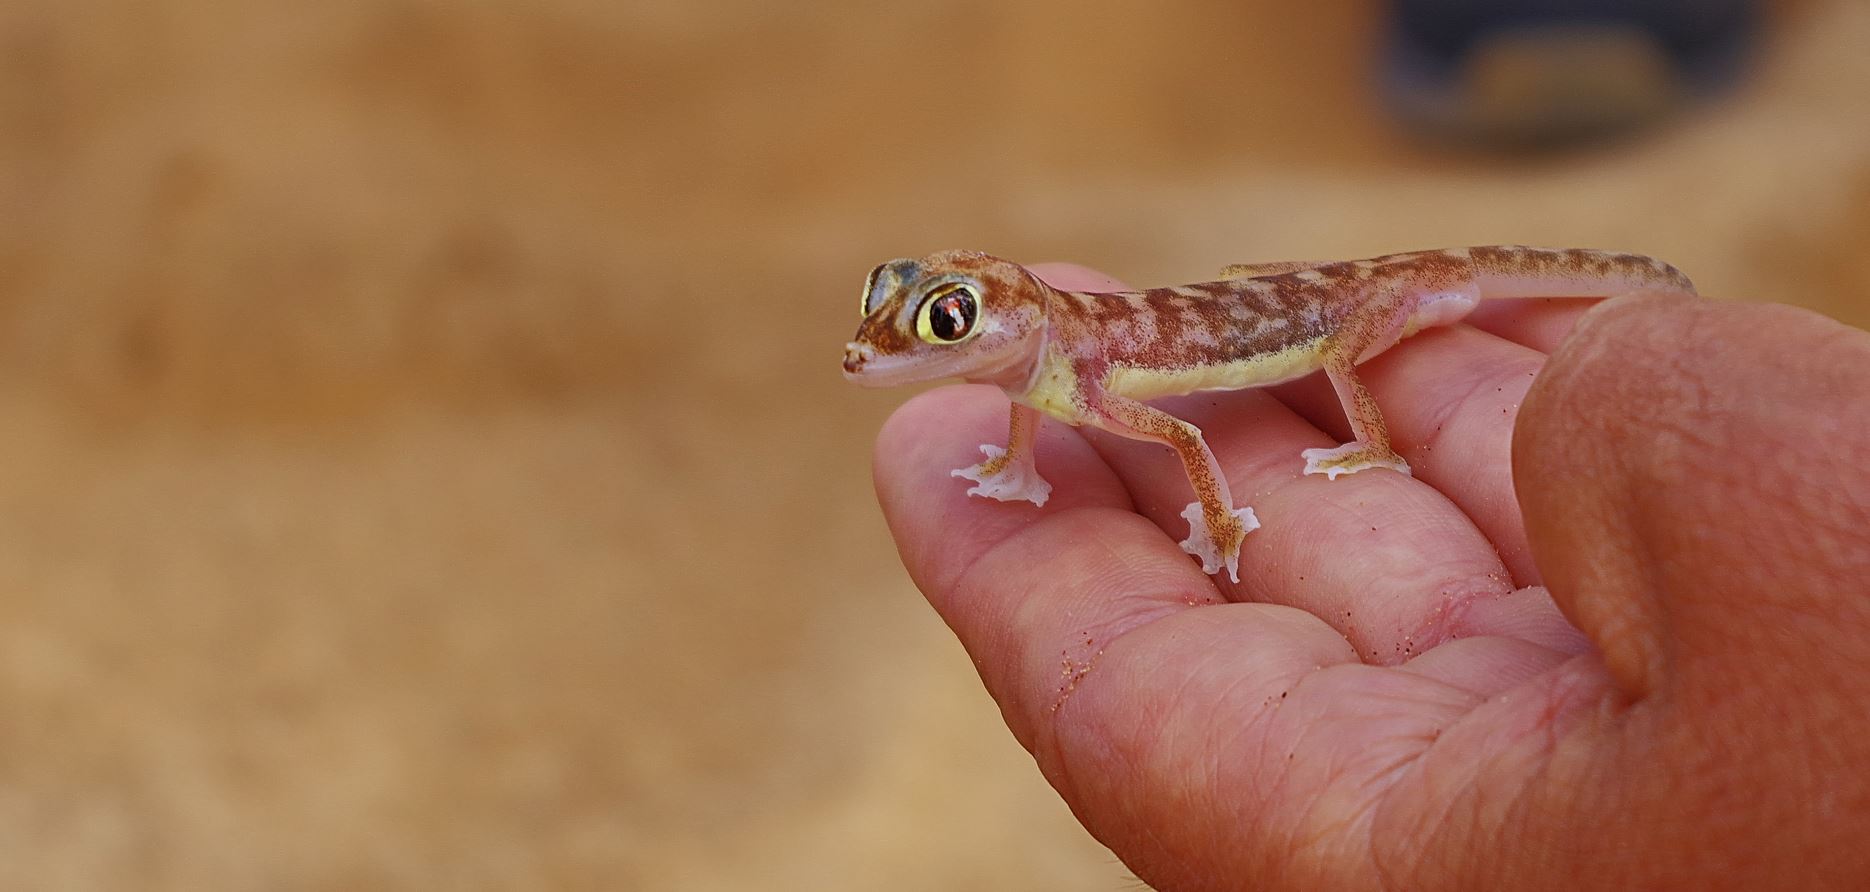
1093 359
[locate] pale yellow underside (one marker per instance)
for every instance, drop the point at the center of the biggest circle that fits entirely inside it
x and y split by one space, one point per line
1055 388
1255 371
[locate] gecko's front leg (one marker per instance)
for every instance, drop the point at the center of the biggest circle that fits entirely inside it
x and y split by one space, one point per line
1215 527
1010 474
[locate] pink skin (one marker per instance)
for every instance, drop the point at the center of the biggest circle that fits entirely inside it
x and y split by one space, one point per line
1384 701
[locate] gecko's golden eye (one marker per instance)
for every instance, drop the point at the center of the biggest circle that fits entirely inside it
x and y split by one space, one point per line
947 316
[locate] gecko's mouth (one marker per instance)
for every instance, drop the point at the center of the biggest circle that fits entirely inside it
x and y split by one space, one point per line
1006 365
863 365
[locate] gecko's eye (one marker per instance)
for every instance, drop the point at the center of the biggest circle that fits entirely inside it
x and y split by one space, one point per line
947 316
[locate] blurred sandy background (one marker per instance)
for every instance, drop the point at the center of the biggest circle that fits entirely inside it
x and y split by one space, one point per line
425 463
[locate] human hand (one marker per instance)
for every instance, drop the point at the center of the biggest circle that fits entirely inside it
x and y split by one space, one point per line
1389 698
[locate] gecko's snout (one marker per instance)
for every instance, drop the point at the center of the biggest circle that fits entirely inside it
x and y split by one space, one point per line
855 355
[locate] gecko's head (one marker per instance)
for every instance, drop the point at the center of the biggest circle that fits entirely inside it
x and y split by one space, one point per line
952 314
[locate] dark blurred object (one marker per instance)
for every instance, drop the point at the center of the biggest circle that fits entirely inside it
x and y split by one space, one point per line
1531 74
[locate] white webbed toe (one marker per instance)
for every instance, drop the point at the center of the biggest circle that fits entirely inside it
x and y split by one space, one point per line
1201 543
1329 462
1016 481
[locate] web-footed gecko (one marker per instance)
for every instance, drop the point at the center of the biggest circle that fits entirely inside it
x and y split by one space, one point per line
1086 358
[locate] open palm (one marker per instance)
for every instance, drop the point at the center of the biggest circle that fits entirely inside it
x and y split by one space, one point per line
1390 697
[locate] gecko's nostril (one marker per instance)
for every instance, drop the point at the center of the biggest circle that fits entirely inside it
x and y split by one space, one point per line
854 357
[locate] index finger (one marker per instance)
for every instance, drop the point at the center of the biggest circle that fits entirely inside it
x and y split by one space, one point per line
1037 595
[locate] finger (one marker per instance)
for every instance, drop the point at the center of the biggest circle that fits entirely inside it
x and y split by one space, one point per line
1072 277
1493 664
1055 610
1389 563
1722 475
1541 323
1037 594
1449 396
1696 492
939 529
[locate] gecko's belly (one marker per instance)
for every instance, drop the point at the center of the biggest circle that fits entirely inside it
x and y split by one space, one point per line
1259 370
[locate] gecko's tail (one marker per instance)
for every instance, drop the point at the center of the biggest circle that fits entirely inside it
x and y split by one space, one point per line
1573 272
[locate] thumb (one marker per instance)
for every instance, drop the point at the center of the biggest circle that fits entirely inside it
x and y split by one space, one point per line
1695 477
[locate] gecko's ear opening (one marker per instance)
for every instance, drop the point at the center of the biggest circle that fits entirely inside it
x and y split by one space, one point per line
885 280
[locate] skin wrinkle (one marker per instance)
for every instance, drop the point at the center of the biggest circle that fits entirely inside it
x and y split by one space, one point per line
1316 832
1690 417
1519 803
976 579
1446 623
1480 781
1439 625
1205 782
1142 759
1298 699
1433 825
1134 606
1257 720
1316 849
1486 665
1527 615
1290 700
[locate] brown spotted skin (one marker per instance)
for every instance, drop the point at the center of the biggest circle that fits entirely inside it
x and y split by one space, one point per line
1578 263
1189 326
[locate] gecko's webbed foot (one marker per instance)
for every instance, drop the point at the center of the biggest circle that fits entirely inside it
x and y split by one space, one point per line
1007 480
1218 548
1351 458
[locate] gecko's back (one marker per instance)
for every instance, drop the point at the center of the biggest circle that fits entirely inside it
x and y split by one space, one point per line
1257 330
1205 336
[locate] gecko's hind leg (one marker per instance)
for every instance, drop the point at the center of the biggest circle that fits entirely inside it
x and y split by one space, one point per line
1371 448
1010 474
1208 541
